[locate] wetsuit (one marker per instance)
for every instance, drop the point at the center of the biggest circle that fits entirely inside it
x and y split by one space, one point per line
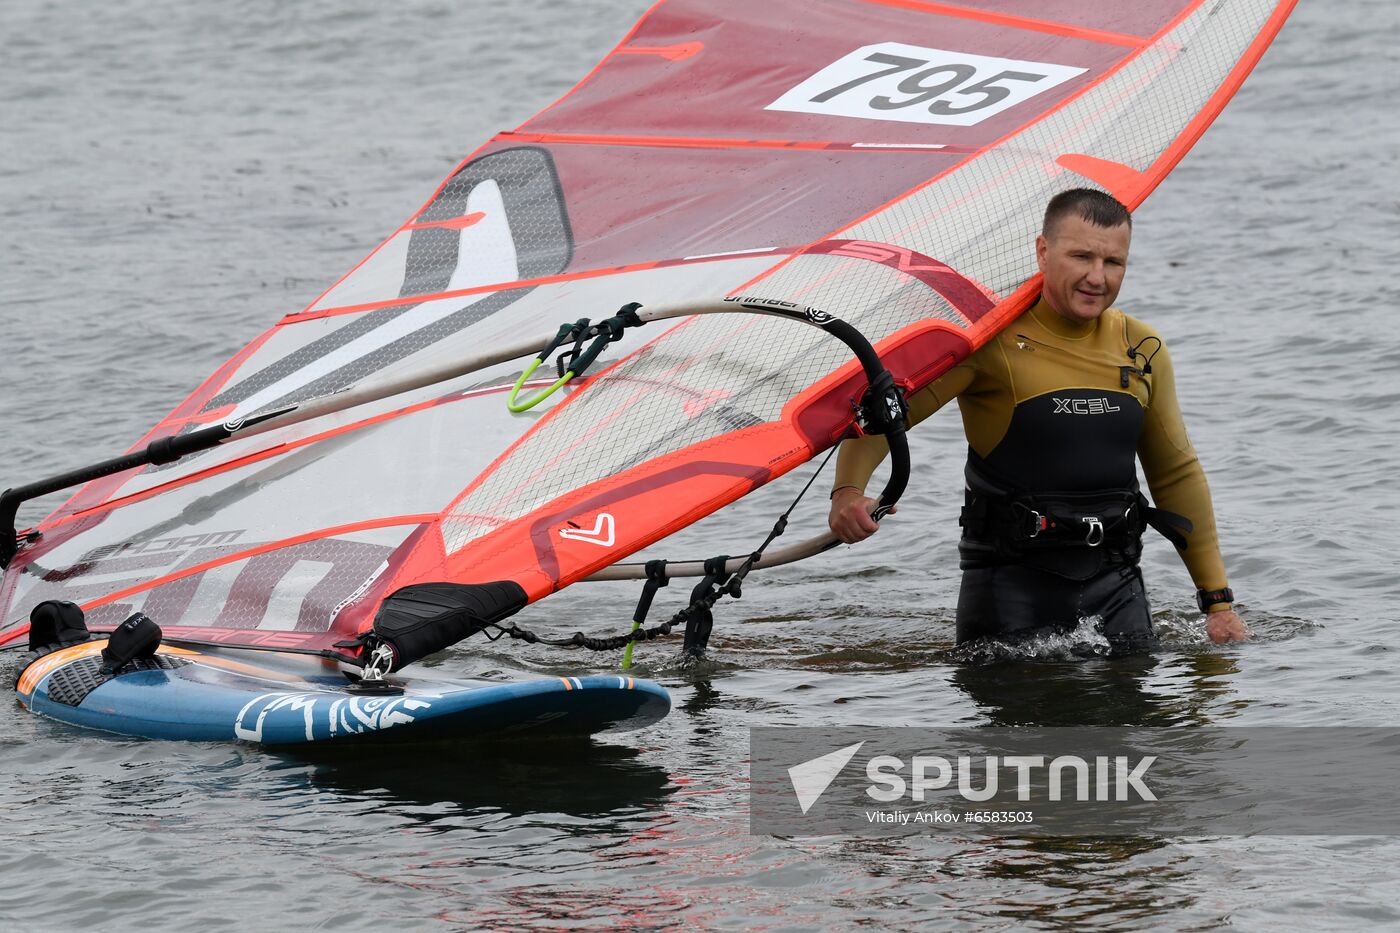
1055 413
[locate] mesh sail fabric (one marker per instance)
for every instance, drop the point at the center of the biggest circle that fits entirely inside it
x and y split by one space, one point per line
454 244
709 377
695 162
713 375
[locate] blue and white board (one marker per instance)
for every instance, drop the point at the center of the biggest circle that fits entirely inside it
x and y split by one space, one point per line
276 699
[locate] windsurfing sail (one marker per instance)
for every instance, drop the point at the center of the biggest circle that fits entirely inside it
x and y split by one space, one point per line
883 161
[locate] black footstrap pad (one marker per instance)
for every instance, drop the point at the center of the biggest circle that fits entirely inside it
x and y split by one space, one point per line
71 683
55 624
425 618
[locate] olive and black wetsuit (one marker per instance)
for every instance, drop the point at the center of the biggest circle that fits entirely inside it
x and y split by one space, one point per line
1056 412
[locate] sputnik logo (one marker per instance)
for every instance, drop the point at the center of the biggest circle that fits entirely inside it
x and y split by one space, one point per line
600 534
811 778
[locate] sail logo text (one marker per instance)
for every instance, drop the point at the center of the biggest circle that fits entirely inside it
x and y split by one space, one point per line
1084 406
170 545
602 533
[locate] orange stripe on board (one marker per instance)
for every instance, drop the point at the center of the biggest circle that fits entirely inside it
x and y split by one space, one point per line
567 685
1019 22
61 658
261 549
51 662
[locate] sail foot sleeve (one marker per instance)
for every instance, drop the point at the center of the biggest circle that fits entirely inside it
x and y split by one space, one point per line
425 618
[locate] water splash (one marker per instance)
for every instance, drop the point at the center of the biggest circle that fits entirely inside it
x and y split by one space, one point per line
1085 640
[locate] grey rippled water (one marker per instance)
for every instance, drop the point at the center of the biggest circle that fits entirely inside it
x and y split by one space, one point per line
175 176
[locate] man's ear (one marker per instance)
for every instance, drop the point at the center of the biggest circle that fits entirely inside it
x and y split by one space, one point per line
1042 247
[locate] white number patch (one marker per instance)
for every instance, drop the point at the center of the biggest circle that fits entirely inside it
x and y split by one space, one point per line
910 84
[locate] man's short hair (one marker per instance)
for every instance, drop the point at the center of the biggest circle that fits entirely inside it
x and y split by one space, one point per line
1099 209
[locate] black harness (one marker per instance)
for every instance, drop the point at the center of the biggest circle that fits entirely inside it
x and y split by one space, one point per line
1075 533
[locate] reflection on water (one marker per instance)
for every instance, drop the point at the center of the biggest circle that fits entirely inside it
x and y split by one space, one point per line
703 698
1136 690
1090 881
1061 693
579 778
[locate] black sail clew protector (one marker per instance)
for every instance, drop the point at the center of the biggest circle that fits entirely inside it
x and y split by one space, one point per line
425 618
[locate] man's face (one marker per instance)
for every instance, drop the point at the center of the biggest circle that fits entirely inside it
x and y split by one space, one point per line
1083 266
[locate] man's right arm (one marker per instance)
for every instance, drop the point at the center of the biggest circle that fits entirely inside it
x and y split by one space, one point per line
858 458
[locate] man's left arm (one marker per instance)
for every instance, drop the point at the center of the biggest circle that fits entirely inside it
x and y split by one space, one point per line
1178 484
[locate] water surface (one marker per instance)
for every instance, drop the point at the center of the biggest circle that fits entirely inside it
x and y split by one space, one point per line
176 176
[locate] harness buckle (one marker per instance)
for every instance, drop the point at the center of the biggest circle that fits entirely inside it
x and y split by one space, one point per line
1094 536
1037 523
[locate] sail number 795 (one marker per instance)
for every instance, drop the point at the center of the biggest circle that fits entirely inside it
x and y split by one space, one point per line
910 84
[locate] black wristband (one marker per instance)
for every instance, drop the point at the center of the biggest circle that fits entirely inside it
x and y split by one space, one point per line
1207 598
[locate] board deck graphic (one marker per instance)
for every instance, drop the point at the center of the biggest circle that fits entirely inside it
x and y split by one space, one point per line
219 696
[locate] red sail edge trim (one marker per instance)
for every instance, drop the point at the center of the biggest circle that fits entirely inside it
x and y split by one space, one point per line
1018 22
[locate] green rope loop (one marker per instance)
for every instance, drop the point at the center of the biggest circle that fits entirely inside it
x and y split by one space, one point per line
532 401
627 652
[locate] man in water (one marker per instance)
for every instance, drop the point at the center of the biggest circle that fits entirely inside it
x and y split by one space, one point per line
1056 408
